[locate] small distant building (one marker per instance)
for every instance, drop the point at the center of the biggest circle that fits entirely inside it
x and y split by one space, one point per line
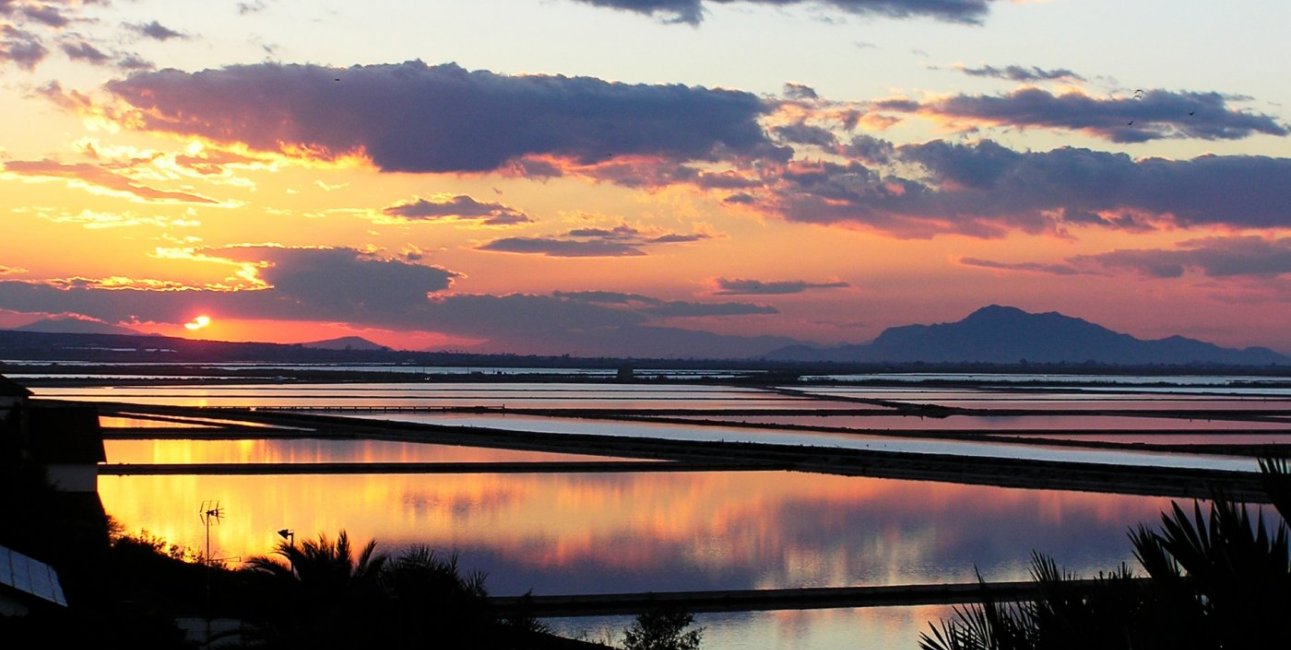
27 584
64 439
67 442
49 457
12 395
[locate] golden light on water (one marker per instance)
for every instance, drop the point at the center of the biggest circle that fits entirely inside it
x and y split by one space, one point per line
767 529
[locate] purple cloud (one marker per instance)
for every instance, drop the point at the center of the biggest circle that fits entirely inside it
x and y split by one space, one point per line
412 117
620 241
83 51
1216 257
21 47
46 14
155 31
337 284
553 247
1154 115
742 287
1022 73
457 207
665 308
1036 267
986 190
692 11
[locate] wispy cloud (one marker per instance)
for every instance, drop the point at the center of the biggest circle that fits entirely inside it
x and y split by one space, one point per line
156 31
1021 73
665 308
1247 256
80 50
96 220
692 11
1216 257
739 287
459 207
619 241
21 47
93 176
1035 267
1151 115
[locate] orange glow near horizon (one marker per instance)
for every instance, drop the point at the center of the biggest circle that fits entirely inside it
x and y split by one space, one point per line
292 332
200 322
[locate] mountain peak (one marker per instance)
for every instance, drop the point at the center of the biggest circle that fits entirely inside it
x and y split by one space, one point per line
994 312
1003 334
345 343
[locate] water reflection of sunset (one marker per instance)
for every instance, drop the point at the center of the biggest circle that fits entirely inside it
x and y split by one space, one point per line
316 451
590 533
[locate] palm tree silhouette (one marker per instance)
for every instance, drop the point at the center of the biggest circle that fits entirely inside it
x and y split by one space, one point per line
1217 578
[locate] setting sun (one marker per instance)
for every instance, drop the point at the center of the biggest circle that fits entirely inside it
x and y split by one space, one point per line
198 323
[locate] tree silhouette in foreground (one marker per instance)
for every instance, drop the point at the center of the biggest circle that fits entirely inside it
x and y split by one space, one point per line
662 628
1216 578
324 597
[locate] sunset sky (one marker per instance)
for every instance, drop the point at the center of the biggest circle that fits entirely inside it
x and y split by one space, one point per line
644 177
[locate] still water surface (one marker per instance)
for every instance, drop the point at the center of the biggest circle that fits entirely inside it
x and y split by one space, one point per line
584 533
599 533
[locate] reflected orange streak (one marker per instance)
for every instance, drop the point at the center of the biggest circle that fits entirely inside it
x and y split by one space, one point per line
715 520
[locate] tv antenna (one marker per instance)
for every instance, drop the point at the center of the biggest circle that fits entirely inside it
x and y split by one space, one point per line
210 513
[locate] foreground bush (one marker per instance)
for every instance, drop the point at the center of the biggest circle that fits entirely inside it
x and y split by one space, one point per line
1216 578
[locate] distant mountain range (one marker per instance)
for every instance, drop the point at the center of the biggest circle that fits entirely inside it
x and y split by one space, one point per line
998 334
69 325
345 343
992 335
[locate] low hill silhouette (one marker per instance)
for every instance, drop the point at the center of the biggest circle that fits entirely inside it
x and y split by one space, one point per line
999 334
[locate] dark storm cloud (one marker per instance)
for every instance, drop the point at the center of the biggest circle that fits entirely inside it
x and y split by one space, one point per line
987 190
1022 73
21 47
413 117
457 207
1153 115
98 176
740 287
1216 257
155 31
692 11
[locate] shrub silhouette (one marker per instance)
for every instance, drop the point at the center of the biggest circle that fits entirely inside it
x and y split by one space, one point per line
1216 578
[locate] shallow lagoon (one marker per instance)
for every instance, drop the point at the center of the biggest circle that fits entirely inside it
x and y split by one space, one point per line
596 533
582 533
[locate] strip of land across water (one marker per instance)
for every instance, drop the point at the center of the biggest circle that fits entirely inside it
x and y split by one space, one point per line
1174 482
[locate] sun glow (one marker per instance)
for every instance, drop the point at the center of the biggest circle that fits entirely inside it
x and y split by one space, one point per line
198 323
